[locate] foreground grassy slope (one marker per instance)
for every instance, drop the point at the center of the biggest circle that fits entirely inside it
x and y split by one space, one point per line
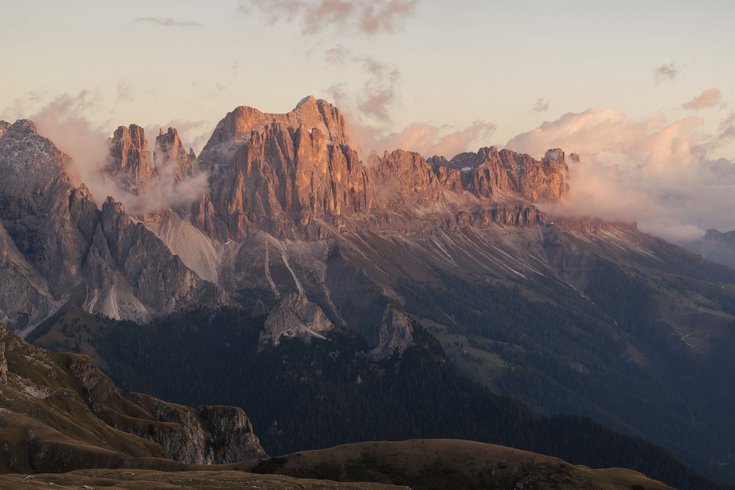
444 463
190 480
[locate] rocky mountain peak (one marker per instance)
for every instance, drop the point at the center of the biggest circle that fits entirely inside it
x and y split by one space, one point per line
22 126
130 163
285 173
491 172
170 151
111 206
310 113
404 178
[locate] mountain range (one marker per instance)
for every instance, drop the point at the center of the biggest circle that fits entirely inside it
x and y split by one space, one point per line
305 244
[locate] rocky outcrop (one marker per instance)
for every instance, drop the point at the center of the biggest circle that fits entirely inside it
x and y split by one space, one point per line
169 154
131 164
295 317
490 172
287 174
202 435
240 124
396 334
77 418
404 179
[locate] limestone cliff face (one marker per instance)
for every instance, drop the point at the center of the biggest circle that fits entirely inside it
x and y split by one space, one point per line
169 154
131 162
294 175
295 317
491 172
131 273
40 209
396 333
404 179
203 435
287 174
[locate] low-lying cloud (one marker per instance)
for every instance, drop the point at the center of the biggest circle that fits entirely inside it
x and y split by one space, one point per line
710 97
424 138
63 121
652 171
366 16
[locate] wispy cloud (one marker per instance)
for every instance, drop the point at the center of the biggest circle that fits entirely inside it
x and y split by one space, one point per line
425 138
366 16
168 22
541 105
377 94
124 91
708 98
727 128
666 72
380 89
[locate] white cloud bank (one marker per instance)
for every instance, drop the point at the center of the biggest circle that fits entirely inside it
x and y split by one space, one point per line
652 171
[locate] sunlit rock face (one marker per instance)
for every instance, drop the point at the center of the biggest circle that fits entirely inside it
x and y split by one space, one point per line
490 172
169 153
282 173
131 162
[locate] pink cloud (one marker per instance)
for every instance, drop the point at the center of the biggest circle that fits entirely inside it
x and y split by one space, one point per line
366 16
708 98
652 171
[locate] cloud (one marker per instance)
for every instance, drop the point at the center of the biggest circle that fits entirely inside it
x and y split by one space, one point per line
64 122
366 16
168 22
380 89
368 113
541 105
371 103
386 16
727 128
666 72
652 171
424 138
338 56
124 91
708 98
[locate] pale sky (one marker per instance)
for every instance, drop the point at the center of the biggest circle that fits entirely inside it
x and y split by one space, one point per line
513 64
